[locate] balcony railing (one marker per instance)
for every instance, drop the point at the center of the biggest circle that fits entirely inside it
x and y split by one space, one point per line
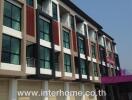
31 62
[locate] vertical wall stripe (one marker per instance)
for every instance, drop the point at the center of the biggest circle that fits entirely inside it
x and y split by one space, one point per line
13 89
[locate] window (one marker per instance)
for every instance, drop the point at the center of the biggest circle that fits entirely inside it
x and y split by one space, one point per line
54 11
44 30
81 45
56 61
12 16
67 63
93 47
29 2
44 59
10 50
103 71
83 66
66 39
85 29
72 22
39 4
30 57
95 69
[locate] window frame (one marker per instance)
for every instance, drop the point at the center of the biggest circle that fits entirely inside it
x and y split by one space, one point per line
54 14
83 69
72 22
81 48
44 60
95 67
30 3
11 16
93 50
67 67
42 32
9 52
66 41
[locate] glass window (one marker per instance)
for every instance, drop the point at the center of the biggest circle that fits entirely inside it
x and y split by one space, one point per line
85 29
54 11
44 30
83 66
93 47
29 2
67 63
12 16
11 50
81 45
44 59
95 69
66 39
72 22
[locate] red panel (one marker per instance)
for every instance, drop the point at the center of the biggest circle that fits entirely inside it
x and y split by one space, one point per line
30 21
55 27
74 41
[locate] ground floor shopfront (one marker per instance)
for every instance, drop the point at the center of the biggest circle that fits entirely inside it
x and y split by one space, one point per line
9 89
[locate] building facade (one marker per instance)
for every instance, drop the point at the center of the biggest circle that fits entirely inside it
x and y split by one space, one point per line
52 45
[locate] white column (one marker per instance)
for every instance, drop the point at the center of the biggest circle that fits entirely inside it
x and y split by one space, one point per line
83 90
45 88
66 88
13 89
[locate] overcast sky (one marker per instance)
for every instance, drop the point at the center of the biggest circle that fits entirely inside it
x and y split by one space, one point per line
116 18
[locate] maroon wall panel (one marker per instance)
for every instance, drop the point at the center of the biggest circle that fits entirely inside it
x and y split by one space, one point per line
30 14
74 41
55 27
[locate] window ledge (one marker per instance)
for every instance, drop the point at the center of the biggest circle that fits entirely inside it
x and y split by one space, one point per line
45 43
77 76
68 74
30 70
67 51
84 76
58 73
82 56
45 71
12 32
13 67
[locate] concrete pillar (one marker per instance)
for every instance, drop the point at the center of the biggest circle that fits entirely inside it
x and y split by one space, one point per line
45 88
66 88
83 90
13 89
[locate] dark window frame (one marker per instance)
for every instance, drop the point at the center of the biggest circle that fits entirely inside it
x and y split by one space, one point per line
11 17
66 42
30 2
93 50
42 32
67 67
9 51
72 22
54 11
81 48
83 69
95 66
44 60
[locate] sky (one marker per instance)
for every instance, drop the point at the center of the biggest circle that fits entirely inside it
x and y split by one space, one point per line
116 18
